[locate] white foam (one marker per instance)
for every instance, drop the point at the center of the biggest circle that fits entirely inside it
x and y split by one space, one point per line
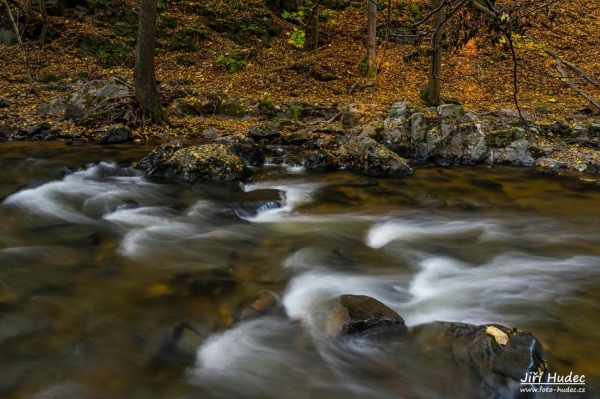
253 359
410 230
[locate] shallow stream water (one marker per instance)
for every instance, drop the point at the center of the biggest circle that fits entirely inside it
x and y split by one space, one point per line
91 289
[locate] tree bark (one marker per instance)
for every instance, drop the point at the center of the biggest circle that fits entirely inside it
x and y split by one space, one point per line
44 32
434 84
145 77
372 38
313 28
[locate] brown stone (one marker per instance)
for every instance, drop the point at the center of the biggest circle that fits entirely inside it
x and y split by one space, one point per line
357 313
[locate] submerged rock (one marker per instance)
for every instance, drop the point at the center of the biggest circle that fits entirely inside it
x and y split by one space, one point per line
267 303
352 314
209 162
256 201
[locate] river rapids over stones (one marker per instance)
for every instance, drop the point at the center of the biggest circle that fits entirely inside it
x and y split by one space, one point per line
115 285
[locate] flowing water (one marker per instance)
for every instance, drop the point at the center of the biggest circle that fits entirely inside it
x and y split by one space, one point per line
91 288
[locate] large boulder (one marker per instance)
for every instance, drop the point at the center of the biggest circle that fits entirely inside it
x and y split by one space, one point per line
351 314
209 162
448 134
363 154
489 361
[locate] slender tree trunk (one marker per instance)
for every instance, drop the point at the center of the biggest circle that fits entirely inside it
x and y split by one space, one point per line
145 78
44 33
313 29
372 38
434 84
21 48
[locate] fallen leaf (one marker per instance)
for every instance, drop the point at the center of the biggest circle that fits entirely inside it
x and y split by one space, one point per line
498 335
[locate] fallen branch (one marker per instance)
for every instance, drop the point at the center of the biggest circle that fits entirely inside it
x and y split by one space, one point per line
558 59
563 61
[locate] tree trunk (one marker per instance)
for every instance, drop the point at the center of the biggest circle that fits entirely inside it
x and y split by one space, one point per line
313 29
434 84
372 38
145 78
44 32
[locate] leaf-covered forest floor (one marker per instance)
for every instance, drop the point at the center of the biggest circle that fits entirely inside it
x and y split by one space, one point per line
194 35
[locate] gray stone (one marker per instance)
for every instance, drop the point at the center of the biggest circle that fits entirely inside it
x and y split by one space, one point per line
396 135
42 128
8 37
5 133
73 112
516 153
267 133
211 134
363 154
116 134
352 116
112 90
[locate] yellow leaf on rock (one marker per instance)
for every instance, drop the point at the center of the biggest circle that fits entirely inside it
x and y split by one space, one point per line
498 335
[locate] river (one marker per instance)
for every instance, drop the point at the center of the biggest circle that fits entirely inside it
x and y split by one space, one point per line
91 286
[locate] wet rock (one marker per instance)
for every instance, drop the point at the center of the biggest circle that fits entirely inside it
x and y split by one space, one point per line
256 201
173 351
116 134
322 159
126 205
197 163
42 128
267 133
483 365
251 155
363 154
428 200
5 133
158 155
352 314
21 326
267 303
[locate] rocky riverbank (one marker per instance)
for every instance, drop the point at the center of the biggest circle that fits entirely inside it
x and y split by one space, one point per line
358 137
